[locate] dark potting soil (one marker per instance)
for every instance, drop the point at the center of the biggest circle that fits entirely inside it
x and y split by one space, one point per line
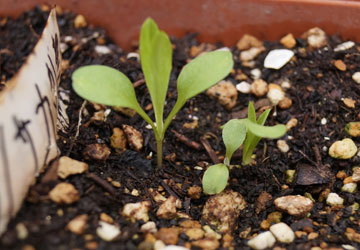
18 38
317 89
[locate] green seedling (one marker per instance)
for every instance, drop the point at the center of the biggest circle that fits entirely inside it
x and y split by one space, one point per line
105 85
236 132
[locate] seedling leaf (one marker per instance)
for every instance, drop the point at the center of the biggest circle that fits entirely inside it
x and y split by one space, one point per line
105 85
156 62
203 72
271 132
251 112
215 179
263 117
108 86
256 131
234 133
200 74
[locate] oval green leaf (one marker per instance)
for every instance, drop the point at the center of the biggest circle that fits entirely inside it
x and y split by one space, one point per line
215 179
199 75
105 85
271 132
234 133
203 72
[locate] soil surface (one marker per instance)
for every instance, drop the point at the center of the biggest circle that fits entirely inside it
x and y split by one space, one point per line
317 90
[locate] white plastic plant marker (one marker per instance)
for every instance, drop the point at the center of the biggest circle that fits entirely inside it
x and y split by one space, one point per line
277 58
28 109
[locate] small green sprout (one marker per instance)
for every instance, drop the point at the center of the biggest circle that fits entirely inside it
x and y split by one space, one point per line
105 85
236 132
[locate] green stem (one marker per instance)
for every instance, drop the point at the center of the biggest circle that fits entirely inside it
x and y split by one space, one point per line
159 148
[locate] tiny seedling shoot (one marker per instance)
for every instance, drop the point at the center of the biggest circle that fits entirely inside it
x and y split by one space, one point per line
236 132
108 86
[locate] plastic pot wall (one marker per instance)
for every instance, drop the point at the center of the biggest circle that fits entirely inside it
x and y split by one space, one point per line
215 20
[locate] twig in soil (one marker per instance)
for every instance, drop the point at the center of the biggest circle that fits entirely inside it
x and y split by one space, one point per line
308 158
302 129
186 140
6 51
150 197
89 189
138 83
169 190
34 32
276 180
317 155
101 182
209 150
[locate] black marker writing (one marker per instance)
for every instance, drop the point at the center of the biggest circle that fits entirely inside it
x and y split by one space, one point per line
55 45
44 102
24 135
50 75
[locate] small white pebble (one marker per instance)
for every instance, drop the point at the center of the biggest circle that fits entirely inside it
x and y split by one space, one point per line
285 84
148 126
84 40
275 94
133 55
159 245
356 174
107 113
63 47
348 247
316 38
102 50
223 49
282 232
173 247
149 227
344 46
323 121
344 149
255 73
135 192
68 39
244 87
334 199
283 146
349 187
327 138
324 148
22 231
356 77
106 231
96 34
262 241
250 54
277 58
198 168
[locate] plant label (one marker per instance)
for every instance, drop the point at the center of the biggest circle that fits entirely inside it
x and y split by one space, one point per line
29 113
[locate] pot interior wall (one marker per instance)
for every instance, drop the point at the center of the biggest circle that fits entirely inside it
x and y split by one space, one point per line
216 20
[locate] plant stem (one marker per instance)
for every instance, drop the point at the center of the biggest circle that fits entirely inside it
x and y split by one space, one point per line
159 148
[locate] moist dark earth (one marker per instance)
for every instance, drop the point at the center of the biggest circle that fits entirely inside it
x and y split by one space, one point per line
317 91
